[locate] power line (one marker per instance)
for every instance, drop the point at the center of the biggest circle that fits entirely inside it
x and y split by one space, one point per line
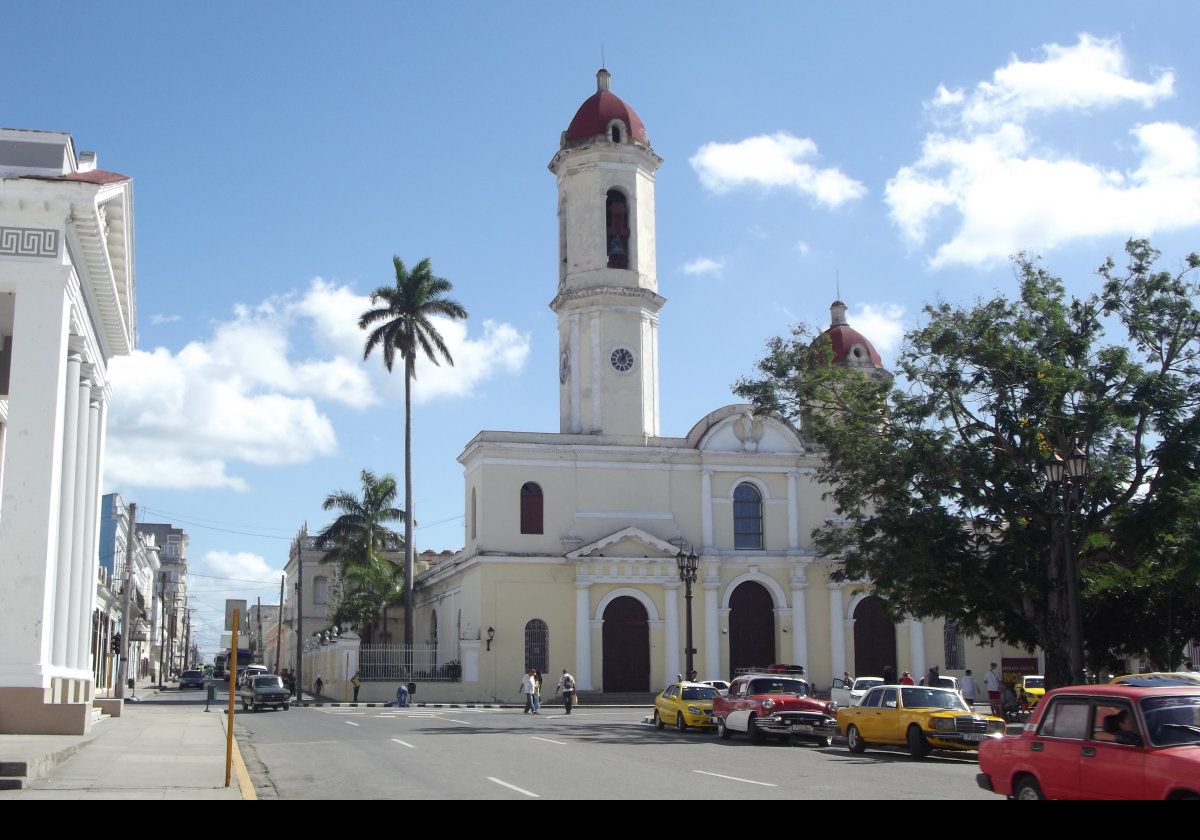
216 521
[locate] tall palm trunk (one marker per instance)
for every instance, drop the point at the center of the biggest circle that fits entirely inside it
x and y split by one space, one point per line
408 505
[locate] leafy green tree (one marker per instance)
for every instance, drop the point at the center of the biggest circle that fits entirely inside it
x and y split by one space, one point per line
370 589
939 481
399 322
360 530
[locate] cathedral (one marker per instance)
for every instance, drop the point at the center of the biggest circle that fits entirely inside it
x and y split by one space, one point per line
571 538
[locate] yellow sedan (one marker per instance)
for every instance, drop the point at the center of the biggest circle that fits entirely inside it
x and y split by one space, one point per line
916 717
1034 687
685 705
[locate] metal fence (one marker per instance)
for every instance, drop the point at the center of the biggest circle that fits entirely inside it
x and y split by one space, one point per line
404 663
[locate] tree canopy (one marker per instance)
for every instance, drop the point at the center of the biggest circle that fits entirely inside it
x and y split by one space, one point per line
938 478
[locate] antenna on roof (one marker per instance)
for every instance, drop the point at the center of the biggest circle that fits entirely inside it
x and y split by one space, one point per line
602 63
837 273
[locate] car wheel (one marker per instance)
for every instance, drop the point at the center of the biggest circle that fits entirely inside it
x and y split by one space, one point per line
287 706
756 735
854 740
918 747
680 723
723 731
827 741
1028 789
658 721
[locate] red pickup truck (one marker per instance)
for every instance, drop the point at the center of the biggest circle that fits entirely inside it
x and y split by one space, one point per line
774 704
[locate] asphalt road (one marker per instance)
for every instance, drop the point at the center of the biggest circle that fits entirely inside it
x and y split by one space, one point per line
595 753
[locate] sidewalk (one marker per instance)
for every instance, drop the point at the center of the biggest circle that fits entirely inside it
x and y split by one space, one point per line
155 750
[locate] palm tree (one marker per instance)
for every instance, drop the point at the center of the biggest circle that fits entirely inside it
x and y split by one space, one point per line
374 586
399 322
354 537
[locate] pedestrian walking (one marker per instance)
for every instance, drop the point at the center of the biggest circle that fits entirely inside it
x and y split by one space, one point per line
889 675
356 681
318 686
992 680
906 678
528 687
970 689
566 684
537 691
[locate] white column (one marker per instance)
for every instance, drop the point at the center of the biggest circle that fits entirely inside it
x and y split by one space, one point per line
793 512
583 635
837 630
916 647
77 623
712 628
66 512
32 481
596 373
96 442
671 631
706 508
800 623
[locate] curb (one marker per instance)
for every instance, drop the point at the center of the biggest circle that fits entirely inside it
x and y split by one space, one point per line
245 786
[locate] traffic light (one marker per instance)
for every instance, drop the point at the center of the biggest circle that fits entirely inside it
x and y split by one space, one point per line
116 643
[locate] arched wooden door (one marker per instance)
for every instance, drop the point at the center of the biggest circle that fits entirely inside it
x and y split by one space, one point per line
751 627
626 646
874 638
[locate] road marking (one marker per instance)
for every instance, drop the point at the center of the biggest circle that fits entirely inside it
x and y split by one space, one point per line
351 723
404 743
548 740
512 787
452 720
735 778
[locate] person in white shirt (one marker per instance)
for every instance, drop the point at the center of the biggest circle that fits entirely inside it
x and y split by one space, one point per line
528 688
970 689
993 688
566 684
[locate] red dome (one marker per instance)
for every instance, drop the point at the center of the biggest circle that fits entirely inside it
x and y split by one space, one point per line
600 109
850 347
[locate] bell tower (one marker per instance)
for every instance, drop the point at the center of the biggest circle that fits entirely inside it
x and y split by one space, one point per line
607 302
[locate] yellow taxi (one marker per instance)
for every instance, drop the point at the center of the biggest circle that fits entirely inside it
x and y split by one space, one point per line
1034 687
919 718
685 705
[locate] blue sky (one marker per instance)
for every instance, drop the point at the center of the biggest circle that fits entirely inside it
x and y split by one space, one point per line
283 152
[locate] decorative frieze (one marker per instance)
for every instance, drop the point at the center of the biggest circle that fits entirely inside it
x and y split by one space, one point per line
28 242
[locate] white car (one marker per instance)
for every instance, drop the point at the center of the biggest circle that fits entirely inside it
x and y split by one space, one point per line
721 686
852 694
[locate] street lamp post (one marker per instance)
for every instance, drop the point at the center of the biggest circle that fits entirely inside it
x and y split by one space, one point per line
688 564
1067 477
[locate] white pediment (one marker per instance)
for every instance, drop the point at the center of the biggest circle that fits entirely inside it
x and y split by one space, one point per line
628 543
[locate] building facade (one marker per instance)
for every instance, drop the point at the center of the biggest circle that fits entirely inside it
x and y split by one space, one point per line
66 308
571 538
170 603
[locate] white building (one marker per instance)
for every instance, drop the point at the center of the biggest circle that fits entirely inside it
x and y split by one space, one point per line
66 308
571 538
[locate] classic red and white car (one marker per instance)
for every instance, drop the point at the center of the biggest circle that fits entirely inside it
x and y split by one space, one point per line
1101 742
774 704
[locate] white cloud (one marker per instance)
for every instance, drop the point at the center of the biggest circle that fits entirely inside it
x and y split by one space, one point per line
778 160
882 324
1090 74
165 319
704 265
803 248
1009 190
250 392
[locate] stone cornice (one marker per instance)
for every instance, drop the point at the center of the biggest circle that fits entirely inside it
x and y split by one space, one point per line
654 299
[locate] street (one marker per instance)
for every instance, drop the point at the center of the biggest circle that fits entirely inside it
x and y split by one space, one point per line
595 753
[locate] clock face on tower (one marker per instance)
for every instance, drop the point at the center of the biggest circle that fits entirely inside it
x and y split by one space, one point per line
564 366
621 360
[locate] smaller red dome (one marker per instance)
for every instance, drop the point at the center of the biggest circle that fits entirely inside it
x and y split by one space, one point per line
850 347
599 110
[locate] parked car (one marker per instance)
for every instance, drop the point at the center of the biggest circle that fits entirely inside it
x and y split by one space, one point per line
774 704
685 705
1165 679
191 679
917 717
258 692
1034 688
244 674
852 694
721 686
1101 742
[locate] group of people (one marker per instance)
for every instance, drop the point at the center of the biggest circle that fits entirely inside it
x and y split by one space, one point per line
531 687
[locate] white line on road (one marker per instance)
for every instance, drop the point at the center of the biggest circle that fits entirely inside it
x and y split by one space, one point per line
512 787
735 779
452 720
404 743
351 723
548 740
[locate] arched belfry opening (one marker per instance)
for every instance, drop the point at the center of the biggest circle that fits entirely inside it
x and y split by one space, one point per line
617 231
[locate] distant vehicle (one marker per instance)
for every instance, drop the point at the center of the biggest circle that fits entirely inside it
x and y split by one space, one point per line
1164 679
1034 687
263 690
191 679
774 704
852 694
918 717
686 705
250 671
721 686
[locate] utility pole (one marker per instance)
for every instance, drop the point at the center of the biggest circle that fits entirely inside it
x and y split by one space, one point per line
258 647
126 601
162 630
187 643
300 625
279 633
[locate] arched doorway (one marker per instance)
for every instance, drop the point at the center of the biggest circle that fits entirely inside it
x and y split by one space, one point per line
874 638
751 627
626 649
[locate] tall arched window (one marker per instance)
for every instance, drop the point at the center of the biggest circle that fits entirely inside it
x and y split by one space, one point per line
747 517
617 229
531 508
537 645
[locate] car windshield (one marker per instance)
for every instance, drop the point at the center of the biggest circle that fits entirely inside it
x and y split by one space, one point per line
932 698
1035 682
1173 720
192 674
268 682
779 686
865 683
696 692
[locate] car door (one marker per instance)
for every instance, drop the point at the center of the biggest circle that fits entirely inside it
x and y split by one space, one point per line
739 706
1112 768
1055 750
891 718
868 716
